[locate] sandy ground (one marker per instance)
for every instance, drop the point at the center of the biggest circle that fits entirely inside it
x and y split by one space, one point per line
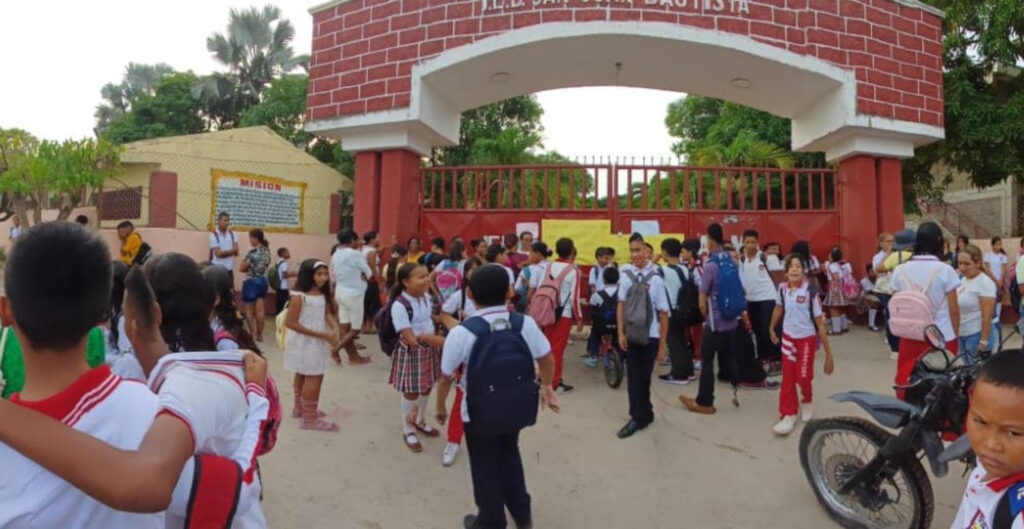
720 471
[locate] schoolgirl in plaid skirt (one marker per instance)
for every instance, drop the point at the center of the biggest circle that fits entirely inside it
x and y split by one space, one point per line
416 362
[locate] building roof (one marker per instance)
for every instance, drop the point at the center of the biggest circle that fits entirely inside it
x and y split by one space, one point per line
251 145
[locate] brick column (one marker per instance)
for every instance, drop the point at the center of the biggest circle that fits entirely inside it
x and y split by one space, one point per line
163 199
400 195
858 214
890 195
367 191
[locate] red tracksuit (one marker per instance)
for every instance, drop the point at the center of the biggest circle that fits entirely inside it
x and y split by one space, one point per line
797 370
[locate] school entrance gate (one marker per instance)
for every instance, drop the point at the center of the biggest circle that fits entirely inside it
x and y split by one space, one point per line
861 81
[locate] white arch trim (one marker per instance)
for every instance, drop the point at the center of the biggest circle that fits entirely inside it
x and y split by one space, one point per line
819 97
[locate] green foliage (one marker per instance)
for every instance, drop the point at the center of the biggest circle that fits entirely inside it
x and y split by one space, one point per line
984 114
38 175
488 122
256 49
282 109
119 98
732 134
169 111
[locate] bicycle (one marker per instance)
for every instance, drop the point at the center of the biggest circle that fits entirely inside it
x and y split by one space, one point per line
611 359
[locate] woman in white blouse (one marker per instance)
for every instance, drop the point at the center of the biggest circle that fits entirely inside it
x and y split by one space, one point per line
976 296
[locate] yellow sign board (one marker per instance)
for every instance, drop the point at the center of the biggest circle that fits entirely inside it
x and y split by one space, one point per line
589 235
256 201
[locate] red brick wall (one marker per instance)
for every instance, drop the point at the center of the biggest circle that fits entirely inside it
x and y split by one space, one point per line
364 50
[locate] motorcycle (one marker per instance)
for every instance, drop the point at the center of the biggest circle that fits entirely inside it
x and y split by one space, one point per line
866 477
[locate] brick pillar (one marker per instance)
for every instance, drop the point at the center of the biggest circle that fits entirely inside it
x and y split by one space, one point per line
163 199
367 191
890 195
400 195
858 214
334 225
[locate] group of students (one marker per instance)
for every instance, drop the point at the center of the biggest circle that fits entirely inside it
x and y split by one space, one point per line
174 440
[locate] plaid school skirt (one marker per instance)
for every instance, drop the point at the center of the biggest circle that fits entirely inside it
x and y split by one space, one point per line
415 369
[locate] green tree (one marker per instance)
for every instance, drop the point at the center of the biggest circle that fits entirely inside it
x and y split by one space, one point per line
488 122
984 94
256 49
119 98
702 123
170 111
48 174
15 144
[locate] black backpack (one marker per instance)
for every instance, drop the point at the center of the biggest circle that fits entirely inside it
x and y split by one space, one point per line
1015 297
501 383
386 328
605 315
687 310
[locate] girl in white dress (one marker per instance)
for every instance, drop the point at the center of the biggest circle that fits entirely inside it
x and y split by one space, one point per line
310 340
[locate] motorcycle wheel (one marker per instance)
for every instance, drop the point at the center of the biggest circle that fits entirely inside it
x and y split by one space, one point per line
833 450
613 370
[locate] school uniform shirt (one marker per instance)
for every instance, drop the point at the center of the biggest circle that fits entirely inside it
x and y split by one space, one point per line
918 270
611 290
866 285
454 304
981 499
597 276
672 282
995 262
774 263
223 241
350 271
282 274
16 232
655 290
796 321
756 279
102 405
459 345
838 269
568 291
422 321
207 392
511 276
536 270
968 296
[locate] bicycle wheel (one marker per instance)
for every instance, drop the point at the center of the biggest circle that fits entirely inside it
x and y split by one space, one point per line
613 369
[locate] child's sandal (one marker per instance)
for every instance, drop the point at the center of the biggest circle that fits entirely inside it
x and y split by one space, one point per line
320 425
426 430
412 442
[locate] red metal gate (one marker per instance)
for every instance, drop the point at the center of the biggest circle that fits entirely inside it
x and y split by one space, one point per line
784 205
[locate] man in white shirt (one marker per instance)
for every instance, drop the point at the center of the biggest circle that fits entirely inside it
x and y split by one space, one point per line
351 271
494 460
640 359
224 244
16 228
569 301
761 292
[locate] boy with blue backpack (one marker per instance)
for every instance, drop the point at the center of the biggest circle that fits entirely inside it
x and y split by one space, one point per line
497 350
722 302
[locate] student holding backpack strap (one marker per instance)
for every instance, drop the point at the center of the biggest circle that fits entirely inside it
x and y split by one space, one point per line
683 290
555 303
496 350
925 294
722 303
643 328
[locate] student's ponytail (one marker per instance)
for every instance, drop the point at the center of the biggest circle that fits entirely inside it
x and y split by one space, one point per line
185 300
404 273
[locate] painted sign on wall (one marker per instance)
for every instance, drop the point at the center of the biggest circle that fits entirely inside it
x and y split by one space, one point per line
256 201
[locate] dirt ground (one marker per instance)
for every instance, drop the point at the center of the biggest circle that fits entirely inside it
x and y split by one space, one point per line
721 471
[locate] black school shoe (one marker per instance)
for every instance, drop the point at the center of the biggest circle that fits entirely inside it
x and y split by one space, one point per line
630 428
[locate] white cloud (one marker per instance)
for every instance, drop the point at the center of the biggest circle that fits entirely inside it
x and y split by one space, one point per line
61 52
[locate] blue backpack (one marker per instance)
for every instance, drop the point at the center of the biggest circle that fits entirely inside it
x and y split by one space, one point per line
501 383
729 299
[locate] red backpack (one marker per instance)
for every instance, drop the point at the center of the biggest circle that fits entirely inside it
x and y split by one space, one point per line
545 306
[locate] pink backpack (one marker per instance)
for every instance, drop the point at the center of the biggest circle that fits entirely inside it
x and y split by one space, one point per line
910 310
851 288
545 306
268 437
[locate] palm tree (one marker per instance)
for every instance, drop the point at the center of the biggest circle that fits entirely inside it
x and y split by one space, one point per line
139 80
256 49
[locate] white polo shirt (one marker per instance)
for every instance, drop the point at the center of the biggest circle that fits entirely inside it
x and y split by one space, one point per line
101 404
422 321
206 391
981 498
756 279
655 288
460 342
797 322
223 241
568 291
282 271
597 276
917 271
454 304
350 271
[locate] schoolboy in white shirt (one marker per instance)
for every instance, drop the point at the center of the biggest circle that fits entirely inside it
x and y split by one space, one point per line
995 426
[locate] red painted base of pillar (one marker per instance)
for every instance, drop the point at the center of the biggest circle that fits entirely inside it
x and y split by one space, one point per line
858 221
387 194
367 192
890 195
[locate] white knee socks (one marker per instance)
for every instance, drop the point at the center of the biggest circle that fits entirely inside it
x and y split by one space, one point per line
421 417
837 324
407 407
872 314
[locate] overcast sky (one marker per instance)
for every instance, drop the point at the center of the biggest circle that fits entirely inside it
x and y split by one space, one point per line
58 54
